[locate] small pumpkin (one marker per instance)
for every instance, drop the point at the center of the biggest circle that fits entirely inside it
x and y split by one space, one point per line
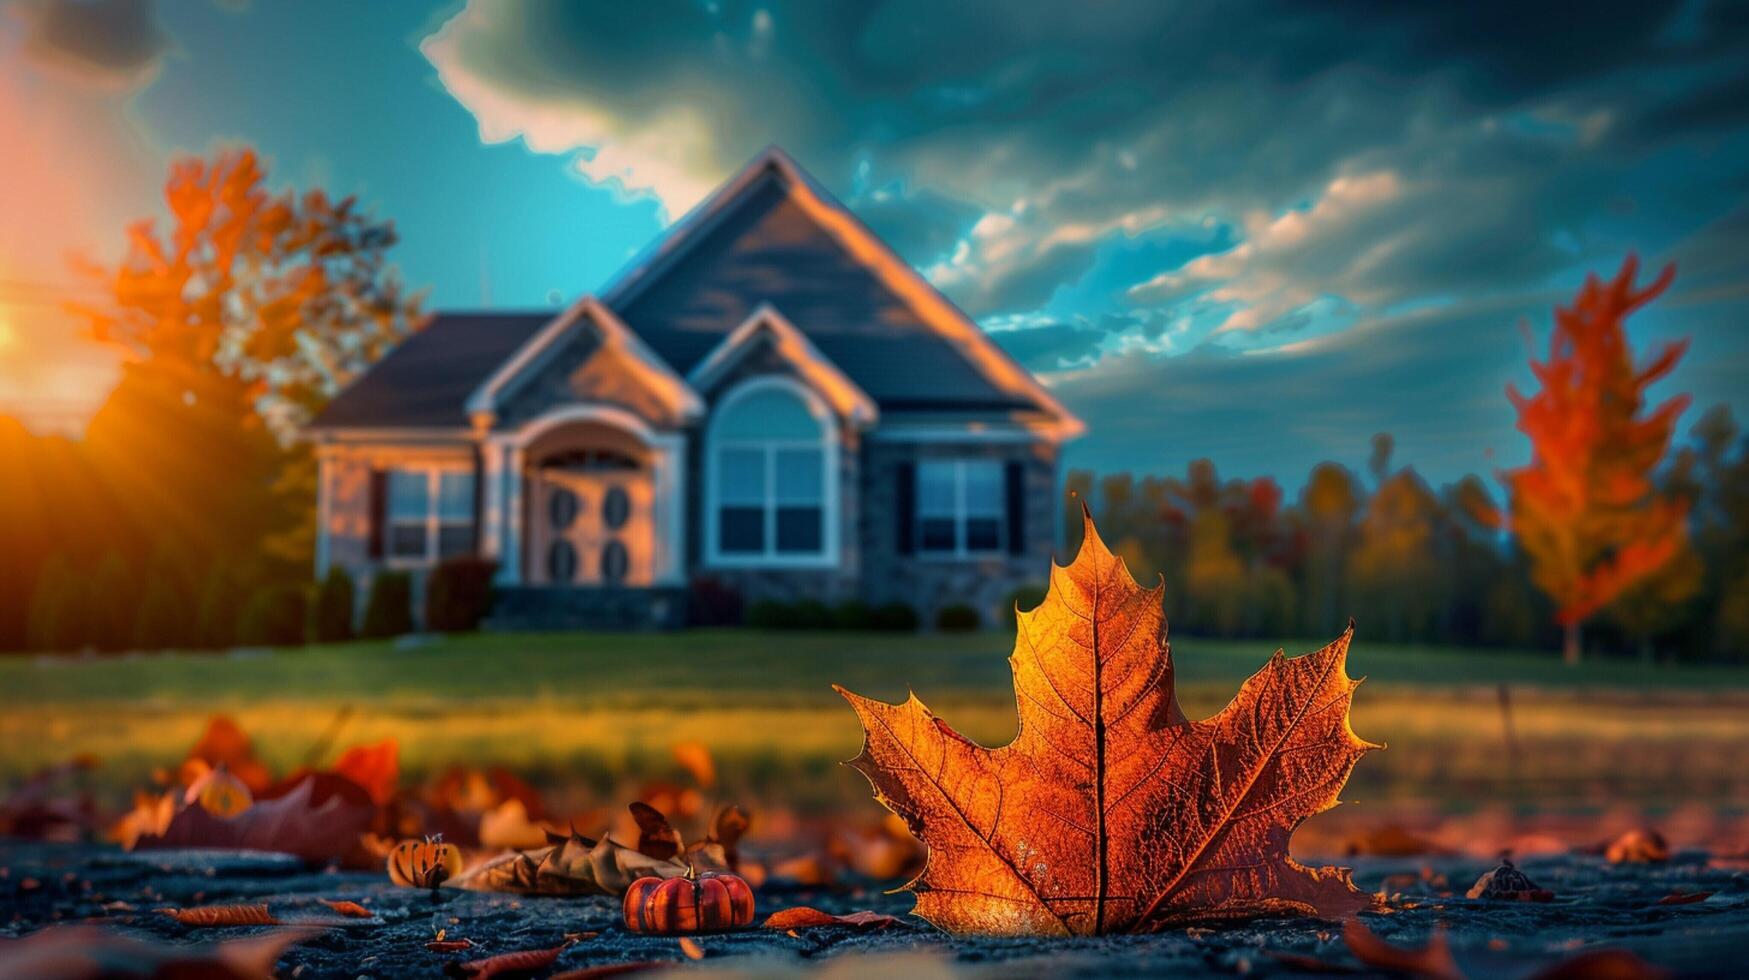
424 863
706 902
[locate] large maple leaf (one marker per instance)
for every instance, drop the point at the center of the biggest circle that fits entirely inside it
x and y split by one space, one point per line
1111 811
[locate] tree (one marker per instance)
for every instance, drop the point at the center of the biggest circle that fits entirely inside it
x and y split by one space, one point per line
1585 509
335 599
57 620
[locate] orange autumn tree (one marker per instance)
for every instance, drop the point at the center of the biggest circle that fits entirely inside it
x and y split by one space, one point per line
1586 510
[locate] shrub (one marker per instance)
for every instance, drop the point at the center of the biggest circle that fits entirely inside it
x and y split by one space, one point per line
957 618
811 614
335 601
713 603
163 620
458 594
222 596
57 607
894 617
388 611
770 614
853 614
274 616
1027 597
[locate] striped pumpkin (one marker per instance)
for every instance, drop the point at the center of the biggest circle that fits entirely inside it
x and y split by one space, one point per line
424 863
710 902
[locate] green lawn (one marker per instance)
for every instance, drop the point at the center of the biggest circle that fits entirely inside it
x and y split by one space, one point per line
740 665
583 714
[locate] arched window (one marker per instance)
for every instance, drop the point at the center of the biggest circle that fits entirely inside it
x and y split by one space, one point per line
773 491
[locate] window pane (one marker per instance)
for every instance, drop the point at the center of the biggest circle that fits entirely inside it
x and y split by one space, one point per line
983 534
455 539
800 476
984 490
799 530
408 495
455 496
935 534
936 493
767 414
742 472
407 540
741 530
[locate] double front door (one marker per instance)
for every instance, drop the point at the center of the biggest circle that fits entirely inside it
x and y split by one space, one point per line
592 528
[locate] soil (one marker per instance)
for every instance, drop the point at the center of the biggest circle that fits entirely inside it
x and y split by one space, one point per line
1595 905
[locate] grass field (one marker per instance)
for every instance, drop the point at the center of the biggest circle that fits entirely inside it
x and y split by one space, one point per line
584 712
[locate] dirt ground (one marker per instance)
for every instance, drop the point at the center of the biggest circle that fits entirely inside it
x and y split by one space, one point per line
1596 905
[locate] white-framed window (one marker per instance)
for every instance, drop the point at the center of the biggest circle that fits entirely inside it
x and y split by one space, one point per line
430 514
961 507
772 492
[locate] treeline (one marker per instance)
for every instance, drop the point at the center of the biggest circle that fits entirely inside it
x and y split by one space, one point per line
1413 564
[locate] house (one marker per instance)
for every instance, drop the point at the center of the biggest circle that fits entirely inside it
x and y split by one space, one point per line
769 399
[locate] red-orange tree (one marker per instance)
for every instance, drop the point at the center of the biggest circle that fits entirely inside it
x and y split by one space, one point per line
1586 510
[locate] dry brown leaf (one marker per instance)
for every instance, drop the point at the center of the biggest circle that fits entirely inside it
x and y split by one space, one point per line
1684 898
573 866
1432 961
1110 809
806 917
692 948
219 792
1603 964
351 910
656 836
84 953
292 824
521 962
696 760
224 743
213 916
377 768
613 970
508 827
1639 846
449 945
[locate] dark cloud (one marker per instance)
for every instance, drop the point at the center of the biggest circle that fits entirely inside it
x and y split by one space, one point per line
112 42
1052 346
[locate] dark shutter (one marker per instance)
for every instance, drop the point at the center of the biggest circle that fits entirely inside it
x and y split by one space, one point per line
479 495
379 509
905 505
1016 507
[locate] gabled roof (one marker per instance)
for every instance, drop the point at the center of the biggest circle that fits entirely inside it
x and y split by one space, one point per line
424 382
771 235
635 360
794 348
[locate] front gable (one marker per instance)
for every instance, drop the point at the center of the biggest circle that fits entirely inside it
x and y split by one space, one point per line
587 356
768 344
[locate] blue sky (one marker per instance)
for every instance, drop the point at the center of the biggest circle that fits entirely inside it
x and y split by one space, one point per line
1249 231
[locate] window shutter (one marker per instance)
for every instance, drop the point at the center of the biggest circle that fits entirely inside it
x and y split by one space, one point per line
1016 507
479 496
379 508
905 503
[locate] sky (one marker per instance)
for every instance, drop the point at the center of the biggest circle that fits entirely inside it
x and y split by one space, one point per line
1253 231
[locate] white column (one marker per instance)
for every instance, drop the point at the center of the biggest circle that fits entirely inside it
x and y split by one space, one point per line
510 571
492 507
669 477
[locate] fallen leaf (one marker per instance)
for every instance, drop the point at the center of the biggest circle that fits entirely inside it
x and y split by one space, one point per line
351 910
691 948
806 917
1432 961
1110 809
575 865
224 743
1639 846
85 953
213 916
507 827
696 760
291 824
449 945
1390 840
1684 898
613 970
506 964
377 768
656 836
1508 884
1603 964
150 817
219 792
